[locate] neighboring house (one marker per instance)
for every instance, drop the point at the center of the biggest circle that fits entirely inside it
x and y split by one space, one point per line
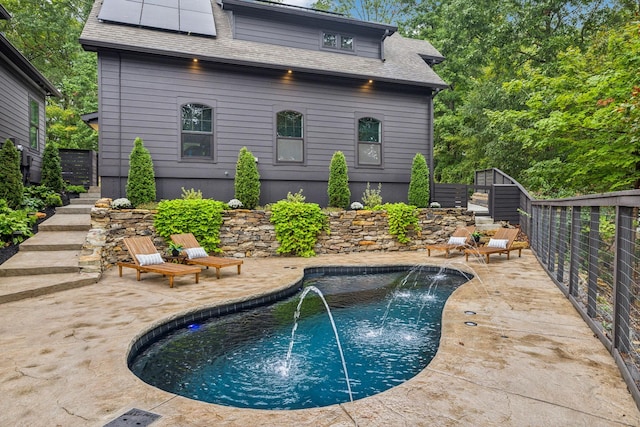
199 80
23 92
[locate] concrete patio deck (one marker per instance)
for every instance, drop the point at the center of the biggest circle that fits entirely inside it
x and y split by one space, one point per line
531 361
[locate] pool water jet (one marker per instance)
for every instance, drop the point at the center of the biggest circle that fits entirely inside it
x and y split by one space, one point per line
238 359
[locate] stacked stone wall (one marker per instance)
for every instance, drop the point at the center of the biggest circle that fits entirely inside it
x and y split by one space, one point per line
246 234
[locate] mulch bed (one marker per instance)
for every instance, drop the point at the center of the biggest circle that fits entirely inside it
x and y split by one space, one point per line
10 250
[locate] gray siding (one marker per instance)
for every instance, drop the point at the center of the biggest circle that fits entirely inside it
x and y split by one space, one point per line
257 29
15 93
140 97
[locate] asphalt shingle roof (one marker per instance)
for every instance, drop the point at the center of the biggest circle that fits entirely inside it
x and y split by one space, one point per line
403 62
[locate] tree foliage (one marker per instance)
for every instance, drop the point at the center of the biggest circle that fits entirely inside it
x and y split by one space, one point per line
382 11
141 181
247 180
338 188
46 32
51 168
420 182
538 89
11 187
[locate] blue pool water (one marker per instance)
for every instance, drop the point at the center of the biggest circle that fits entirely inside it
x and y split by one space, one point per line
388 325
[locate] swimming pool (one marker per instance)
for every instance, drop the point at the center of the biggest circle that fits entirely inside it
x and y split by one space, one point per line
388 322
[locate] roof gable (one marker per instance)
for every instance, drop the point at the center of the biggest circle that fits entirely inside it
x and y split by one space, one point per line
403 63
21 64
315 17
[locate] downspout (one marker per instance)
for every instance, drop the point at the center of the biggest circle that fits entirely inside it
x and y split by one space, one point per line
434 92
386 34
120 126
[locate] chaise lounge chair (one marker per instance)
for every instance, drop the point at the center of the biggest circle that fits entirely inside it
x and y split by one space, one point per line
146 258
196 255
459 240
500 243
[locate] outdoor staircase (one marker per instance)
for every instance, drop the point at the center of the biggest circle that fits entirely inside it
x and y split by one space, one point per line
48 261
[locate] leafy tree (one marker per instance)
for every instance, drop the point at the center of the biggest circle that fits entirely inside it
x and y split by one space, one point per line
419 184
578 125
141 182
247 180
11 187
489 43
338 190
47 32
51 168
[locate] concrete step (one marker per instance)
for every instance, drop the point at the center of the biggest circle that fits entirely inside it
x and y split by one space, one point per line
84 201
55 241
74 209
29 263
16 288
484 220
66 222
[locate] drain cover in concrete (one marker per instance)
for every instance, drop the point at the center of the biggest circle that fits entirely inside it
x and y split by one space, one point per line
134 418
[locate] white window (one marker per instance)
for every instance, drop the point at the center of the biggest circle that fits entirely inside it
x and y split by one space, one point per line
290 136
331 40
369 142
197 131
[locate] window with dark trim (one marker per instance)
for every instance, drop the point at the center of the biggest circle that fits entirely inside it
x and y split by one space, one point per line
197 132
331 40
34 124
289 136
369 142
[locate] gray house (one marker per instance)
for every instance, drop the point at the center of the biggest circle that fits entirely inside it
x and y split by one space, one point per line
23 92
199 80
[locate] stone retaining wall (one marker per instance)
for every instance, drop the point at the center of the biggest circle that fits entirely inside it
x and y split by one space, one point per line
246 233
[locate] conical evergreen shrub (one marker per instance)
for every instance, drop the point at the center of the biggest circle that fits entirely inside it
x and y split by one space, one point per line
11 187
51 168
338 190
247 179
141 182
419 185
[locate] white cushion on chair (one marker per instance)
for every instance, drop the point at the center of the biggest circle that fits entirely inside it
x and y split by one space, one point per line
457 240
150 259
196 253
498 243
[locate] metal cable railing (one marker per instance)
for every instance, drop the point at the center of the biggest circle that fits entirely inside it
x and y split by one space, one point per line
590 247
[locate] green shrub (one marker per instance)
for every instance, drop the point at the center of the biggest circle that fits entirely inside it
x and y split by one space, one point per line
372 197
419 185
296 197
247 180
75 189
15 225
202 217
53 200
297 225
338 190
191 194
10 177
141 182
400 217
38 197
51 169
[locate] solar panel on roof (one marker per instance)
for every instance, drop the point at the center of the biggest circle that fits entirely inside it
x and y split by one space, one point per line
191 17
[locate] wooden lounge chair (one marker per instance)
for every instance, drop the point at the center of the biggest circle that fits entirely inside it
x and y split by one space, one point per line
188 241
146 258
506 236
460 232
